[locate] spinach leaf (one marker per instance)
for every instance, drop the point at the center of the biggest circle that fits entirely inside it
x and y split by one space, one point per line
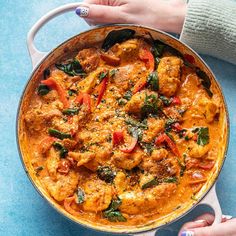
166 101
46 73
205 81
80 196
203 136
63 151
72 68
106 173
43 89
169 123
148 147
135 123
117 36
102 75
71 92
128 95
70 111
112 72
112 213
157 50
153 81
38 170
58 134
150 183
135 132
150 105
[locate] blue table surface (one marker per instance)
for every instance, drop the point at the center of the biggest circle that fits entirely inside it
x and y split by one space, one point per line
22 210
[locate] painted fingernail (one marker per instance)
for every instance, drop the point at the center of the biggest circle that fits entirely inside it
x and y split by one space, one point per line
82 11
200 221
227 217
187 233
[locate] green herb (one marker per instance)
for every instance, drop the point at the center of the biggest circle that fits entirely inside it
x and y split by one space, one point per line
70 111
150 183
182 166
121 101
173 179
136 123
71 92
166 101
128 95
203 136
135 132
58 134
148 147
80 196
153 81
117 36
106 173
112 213
46 73
38 169
169 123
43 89
150 105
72 68
112 72
102 75
157 50
63 151
205 81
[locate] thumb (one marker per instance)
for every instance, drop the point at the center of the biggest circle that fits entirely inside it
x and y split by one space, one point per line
224 229
98 14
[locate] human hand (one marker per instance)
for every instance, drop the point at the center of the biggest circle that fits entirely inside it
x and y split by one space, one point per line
202 226
164 15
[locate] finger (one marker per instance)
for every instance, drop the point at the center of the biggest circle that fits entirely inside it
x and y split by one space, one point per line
101 13
228 228
202 221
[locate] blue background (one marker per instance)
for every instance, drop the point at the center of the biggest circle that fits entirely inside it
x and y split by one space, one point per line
22 210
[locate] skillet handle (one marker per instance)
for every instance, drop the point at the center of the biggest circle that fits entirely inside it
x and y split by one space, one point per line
211 200
35 54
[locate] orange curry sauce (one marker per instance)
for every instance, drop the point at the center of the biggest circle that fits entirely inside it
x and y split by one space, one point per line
119 138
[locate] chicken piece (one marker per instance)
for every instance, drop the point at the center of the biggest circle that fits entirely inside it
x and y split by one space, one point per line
98 195
50 97
82 158
59 124
89 59
169 70
120 182
154 128
159 154
136 202
164 168
135 104
198 151
209 108
63 187
52 163
127 161
39 115
87 84
173 113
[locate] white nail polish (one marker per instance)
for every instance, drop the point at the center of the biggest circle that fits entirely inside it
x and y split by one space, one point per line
82 11
200 221
227 217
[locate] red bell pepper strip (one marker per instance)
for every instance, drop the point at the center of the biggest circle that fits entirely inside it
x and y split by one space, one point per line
140 85
131 147
177 127
87 101
84 98
102 89
176 101
117 137
189 58
53 84
146 56
165 138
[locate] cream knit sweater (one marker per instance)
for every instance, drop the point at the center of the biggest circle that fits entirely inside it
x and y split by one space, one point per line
210 28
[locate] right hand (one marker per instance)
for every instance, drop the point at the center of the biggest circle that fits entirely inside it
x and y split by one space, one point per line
164 15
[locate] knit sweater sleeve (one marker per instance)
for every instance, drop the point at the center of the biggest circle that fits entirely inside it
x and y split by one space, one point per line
210 28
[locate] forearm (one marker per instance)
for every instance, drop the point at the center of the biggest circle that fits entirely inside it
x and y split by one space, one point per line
210 28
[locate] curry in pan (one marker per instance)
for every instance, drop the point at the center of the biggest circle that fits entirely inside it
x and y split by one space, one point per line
125 132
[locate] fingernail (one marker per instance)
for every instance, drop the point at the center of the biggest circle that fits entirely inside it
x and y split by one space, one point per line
200 221
227 217
187 233
82 11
